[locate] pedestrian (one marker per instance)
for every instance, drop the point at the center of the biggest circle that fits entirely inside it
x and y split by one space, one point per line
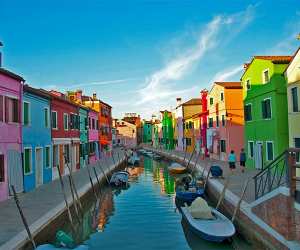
243 160
231 160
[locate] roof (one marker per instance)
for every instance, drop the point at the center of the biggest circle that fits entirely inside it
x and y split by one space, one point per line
193 101
60 98
230 85
11 74
274 59
292 59
89 98
35 91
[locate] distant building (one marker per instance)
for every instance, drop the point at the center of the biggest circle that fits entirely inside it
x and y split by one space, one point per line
178 128
147 131
126 133
167 130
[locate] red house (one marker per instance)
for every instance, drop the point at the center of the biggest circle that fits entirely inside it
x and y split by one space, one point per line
203 122
65 126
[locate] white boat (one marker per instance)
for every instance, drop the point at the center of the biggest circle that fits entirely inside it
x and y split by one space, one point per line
52 247
119 178
217 229
176 168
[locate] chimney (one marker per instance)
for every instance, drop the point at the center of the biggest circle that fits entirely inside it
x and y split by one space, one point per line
94 96
78 94
178 101
1 45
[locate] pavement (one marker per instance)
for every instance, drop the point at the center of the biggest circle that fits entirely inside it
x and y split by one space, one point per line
44 203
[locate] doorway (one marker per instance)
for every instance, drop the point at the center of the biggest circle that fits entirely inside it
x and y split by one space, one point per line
38 166
259 155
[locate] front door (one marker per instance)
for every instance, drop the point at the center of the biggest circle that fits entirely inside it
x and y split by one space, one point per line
258 155
15 171
38 166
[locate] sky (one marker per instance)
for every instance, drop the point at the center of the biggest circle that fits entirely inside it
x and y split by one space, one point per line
140 55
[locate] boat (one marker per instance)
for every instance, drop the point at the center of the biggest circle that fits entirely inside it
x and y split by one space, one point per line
119 178
176 168
157 157
134 160
52 247
188 196
216 228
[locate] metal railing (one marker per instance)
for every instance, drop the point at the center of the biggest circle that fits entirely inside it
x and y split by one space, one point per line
281 171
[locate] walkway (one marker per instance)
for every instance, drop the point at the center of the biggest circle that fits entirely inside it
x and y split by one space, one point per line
44 204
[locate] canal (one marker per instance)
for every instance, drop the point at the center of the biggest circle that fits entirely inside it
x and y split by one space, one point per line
143 216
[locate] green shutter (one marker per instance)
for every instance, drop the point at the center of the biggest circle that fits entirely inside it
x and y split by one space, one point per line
46 117
27 160
26 113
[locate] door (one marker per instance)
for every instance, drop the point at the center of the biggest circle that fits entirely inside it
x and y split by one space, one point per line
55 162
259 155
15 170
38 166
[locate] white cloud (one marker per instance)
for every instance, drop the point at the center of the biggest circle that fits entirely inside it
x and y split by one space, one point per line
227 74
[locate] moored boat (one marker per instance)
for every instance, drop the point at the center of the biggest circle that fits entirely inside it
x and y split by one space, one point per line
176 168
119 178
188 196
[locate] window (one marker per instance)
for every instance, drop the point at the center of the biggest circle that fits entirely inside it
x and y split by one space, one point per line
47 156
266 77
251 149
54 119
27 160
222 96
86 123
26 113
223 120
295 106
190 125
46 116
67 153
188 141
66 121
270 151
93 123
1 108
2 172
92 148
210 122
248 84
97 125
211 101
11 109
248 112
217 121
297 145
223 146
266 109
90 124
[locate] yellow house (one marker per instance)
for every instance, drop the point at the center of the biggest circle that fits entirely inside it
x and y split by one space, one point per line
292 75
190 109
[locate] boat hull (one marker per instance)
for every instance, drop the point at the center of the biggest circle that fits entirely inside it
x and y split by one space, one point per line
189 197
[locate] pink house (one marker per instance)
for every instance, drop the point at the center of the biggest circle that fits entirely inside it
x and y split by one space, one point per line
93 123
11 172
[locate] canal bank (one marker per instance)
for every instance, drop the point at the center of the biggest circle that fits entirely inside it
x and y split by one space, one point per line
45 205
255 220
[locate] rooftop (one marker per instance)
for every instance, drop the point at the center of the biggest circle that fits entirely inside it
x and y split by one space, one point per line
230 85
193 101
11 74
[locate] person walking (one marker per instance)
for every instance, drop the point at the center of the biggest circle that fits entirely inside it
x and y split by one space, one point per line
243 160
231 160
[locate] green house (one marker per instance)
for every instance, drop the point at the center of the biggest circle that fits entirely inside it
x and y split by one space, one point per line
167 130
83 116
265 106
147 132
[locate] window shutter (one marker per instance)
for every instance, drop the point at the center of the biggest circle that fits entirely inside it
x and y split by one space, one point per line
1 108
263 109
25 113
15 110
2 172
7 109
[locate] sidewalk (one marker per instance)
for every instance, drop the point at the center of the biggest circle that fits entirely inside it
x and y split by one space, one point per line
43 204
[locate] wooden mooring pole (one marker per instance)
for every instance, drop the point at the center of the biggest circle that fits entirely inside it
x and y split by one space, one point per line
103 172
222 195
98 182
91 181
191 157
73 198
23 217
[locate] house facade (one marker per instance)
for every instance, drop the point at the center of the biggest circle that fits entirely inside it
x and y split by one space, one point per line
167 130
65 133
11 172
292 75
203 122
93 142
265 106
190 108
225 119
37 144
147 132
127 133
178 126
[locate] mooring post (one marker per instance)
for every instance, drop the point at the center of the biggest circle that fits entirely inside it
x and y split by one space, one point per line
73 198
191 157
119 161
222 195
112 155
240 200
91 181
23 217
206 180
103 172
95 172
65 198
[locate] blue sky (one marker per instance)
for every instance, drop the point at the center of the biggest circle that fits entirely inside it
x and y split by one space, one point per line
140 55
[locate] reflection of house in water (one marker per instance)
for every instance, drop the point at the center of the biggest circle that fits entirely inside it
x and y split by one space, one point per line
135 172
106 208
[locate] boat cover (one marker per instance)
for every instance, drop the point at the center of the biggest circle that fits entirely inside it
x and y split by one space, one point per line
199 209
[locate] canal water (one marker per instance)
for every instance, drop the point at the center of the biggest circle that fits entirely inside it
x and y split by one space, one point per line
143 216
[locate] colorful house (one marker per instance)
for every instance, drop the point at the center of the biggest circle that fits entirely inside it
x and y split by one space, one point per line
178 125
65 133
292 75
147 132
265 106
127 133
225 119
203 122
167 130
37 144
93 142
190 108
11 172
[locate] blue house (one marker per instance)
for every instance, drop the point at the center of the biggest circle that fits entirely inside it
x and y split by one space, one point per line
36 134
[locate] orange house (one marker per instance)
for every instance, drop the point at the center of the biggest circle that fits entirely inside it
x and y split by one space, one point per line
225 120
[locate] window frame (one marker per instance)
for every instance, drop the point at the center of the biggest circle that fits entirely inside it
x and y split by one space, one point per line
2 116
66 115
223 120
222 96
248 104
267 151
248 79
31 169
250 156
48 112
56 127
3 180
271 113
297 99
29 114
222 140
263 76
217 121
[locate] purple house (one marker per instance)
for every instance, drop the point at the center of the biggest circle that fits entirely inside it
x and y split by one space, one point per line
11 172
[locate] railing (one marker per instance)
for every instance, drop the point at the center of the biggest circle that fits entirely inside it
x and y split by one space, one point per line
281 171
